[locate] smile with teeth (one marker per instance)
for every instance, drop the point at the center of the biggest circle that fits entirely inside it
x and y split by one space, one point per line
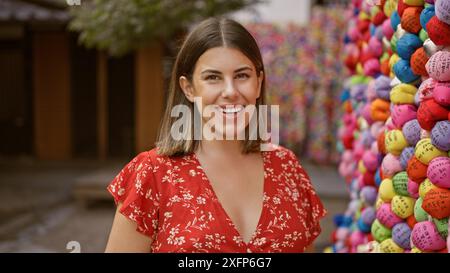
232 109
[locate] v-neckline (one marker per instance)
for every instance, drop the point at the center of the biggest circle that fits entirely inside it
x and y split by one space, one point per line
222 209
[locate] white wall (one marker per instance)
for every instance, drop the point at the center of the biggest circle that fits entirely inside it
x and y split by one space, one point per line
277 11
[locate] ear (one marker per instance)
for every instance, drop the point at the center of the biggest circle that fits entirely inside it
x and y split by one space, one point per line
260 80
187 88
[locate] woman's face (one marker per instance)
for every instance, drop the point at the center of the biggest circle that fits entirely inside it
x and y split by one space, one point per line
226 81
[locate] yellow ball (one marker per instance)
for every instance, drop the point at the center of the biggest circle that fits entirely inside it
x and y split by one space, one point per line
386 191
415 250
416 3
359 69
425 187
389 246
389 7
403 206
364 16
395 142
361 168
403 94
425 151
393 60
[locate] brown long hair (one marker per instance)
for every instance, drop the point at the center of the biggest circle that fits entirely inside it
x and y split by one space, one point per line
210 33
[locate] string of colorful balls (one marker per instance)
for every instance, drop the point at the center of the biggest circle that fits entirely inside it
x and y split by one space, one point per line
294 56
394 137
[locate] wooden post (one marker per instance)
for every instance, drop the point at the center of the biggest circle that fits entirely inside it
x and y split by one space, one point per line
149 95
52 102
102 105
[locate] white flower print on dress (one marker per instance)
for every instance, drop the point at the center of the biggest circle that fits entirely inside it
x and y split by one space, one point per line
171 201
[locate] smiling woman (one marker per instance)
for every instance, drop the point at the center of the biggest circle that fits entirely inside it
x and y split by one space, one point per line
213 195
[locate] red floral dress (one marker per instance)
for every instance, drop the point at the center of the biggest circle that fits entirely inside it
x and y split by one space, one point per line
173 202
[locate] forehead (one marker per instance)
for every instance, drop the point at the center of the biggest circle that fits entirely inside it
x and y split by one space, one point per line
222 59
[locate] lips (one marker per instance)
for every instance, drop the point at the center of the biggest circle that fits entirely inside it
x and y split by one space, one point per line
231 109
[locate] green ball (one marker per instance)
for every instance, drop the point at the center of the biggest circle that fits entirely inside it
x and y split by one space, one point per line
423 35
442 227
380 232
400 181
394 41
419 213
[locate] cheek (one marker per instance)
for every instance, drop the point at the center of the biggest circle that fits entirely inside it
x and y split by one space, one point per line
208 93
249 90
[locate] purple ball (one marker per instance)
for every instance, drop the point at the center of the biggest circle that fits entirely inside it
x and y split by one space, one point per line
369 195
406 155
401 234
368 215
383 87
367 138
411 131
440 135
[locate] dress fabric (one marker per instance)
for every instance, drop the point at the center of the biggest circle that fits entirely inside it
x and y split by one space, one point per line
173 202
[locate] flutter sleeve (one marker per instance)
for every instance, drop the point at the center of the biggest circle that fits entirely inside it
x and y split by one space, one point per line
136 188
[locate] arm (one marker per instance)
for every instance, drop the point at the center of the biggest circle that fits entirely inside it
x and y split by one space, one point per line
124 237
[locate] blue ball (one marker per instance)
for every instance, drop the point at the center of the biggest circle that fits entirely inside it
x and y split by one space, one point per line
338 219
347 221
407 45
404 73
363 227
377 178
426 15
395 20
372 28
345 95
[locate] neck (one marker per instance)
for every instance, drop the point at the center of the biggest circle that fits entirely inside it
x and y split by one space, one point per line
221 148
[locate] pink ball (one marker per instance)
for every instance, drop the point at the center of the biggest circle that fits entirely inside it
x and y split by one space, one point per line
426 237
372 67
376 128
391 165
441 93
390 125
342 233
375 47
366 113
357 238
374 148
386 216
358 151
388 31
403 113
370 161
413 189
426 89
439 171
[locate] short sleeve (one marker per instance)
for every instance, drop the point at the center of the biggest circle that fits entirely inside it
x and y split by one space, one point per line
135 187
313 204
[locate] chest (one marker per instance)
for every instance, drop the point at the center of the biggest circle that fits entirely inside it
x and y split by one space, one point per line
208 210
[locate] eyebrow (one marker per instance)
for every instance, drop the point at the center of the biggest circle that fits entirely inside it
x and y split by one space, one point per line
212 71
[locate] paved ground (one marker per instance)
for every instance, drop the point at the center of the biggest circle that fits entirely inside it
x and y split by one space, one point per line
39 214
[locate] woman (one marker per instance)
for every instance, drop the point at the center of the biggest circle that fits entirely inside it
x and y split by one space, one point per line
208 194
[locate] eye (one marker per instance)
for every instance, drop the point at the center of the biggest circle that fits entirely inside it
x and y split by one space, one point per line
212 78
242 76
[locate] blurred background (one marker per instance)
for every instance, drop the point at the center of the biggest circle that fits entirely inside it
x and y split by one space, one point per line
82 90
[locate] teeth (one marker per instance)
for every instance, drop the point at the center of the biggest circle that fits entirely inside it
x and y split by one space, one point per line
233 110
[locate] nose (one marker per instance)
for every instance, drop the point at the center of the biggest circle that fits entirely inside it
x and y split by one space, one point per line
230 91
